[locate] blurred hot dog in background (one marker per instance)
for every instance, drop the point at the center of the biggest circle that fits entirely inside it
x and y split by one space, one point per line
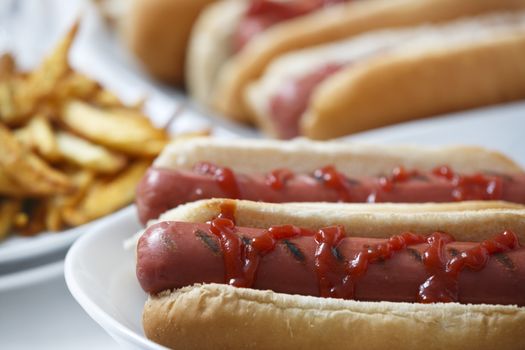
234 57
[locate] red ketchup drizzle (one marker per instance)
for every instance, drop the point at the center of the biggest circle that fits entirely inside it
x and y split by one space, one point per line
278 178
338 276
386 183
399 174
227 211
338 279
442 285
334 180
225 177
471 187
465 187
262 14
241 260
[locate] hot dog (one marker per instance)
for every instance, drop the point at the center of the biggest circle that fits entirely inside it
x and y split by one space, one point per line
328 91
233 41
248 246
290 267
304 171
156 32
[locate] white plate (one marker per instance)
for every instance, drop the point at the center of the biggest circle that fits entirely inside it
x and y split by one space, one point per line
17 248
100 273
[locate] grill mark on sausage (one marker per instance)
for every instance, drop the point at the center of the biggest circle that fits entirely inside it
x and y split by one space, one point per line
353 182
246 240
504 260
208 241
415 253
294 250
453 252
421 177
337 254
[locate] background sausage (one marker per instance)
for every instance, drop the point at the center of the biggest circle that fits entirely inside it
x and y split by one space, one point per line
162 189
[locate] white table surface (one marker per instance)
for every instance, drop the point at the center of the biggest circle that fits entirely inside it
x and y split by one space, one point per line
45 316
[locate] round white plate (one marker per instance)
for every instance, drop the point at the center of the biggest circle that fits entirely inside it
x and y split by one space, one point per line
100 272
17 248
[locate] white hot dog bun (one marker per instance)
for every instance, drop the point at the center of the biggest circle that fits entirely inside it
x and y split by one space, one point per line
303 156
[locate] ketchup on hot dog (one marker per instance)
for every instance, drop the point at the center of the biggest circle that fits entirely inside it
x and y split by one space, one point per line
328 263
262 14
163 189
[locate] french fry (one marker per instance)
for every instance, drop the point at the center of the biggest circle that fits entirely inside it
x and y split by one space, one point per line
83 180
36 212
8 187
43 139
8 108
45 78
53 215
58 204
88 155
106 196
27 170
106 99
122 130
76 86
8 210
7 66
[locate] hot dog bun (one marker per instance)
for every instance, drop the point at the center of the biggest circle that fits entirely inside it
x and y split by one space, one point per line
468 221
338 22
301 155
157 32
409 68
220 316
214 316
210 46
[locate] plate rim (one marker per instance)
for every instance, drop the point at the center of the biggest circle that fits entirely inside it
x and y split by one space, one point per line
111 325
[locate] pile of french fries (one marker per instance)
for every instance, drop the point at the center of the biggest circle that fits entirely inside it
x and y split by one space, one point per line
70 151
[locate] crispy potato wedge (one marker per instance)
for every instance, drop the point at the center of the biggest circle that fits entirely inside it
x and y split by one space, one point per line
53 215
82 179
45 78
126 131
89 155
8 210
35 210
28 170
7 66
43 139
10 188
106 196
8 107
106 99
76 86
